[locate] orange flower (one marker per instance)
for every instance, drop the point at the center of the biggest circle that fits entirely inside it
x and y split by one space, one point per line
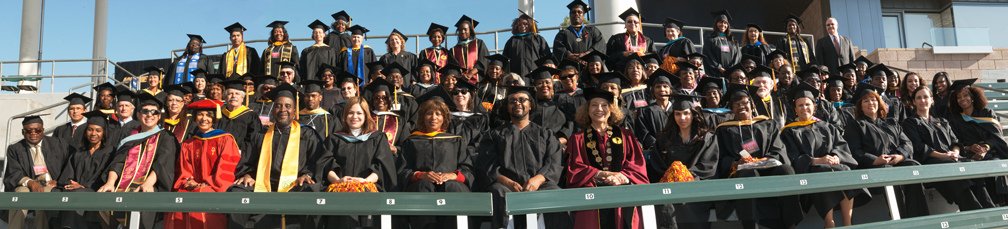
352 186
677 172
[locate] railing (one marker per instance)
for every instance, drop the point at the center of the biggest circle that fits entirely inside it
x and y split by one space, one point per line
983 218
648 195
497 41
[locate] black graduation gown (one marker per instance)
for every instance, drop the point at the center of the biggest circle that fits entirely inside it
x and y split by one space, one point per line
406 59
338 41
455 54
331 97
440 153
351 156
569 103
519 154
548 115
271 58
636 98
650 121
118 131
19 161
982 132
796 49
616 46
935 134
566 41
69 135
775 212
758 51
469 125
253 63
776 109
86 168
819 139
313 58
678 48
897 110
169 77
720 53
700 155
490 92
343 62
869 139
243 127
323 124
164 159
523 51
418 89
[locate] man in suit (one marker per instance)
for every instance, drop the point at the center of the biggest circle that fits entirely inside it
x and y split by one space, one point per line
834 50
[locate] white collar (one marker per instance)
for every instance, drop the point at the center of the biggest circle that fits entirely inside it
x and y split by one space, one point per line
355 132
81 122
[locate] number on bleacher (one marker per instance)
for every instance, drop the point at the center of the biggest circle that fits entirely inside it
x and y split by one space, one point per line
864 176
803 182
245 200
118 199
65 199
739 186
666 191
916 173
389 201
590 196
944 224
178 200
14 199
320 201
441 202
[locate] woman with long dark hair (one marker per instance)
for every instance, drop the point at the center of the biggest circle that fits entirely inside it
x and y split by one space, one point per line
940 88
755 45
686 142
978 130
719 50
85 171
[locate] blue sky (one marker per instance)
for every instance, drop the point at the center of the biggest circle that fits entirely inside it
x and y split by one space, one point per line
146 29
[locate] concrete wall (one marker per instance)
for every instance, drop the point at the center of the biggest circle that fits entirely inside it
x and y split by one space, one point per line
12 104
988 67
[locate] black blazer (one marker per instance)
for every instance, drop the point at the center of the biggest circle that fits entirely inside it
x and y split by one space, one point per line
827 55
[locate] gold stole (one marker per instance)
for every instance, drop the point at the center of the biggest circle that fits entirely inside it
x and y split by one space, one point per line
318 112
289 168
235 60
234 114
744 122
286 50
800 123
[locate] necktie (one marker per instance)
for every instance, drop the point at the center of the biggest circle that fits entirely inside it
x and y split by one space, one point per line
38 160
836 44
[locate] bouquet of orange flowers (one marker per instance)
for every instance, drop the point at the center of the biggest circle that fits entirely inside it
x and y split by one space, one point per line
352 186
677 172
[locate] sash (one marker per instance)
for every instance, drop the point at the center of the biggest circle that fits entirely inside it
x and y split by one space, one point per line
234 114
641 46
800 123
981 120
388 122
183 68
356 67
235 60
139 161
289 168
439 57
286 50
469 52
178 127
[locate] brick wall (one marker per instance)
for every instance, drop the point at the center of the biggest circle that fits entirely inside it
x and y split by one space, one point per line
989 67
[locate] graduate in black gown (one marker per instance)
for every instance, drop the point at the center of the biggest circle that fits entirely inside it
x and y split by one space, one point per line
239 120
978 130
934 142
124 113
876 141
634 91
678 47
404 102
85 171
620 47
396 45
570 95
434 161
720 50
357 154
750 137
73 132
547 112
240 59
797 50
191 59
711 109
470 51
153 85
578 39
320 54
689 140
424 78
520 156
279 49
176 120
652 118
878 76
767 102
266 169
468 119
355 58
394 123
825 110
152 173
105 99
816 146
525 45
330 90
33 165
491 88
755 45
338 38
594 65
313 115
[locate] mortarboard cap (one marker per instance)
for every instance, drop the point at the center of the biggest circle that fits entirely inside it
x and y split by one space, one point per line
96 117
146 99
758 28
673 23
178 90
283 90
874 70
196 37
211 105
236 84
577 3
795 18
660 76
396 32
594 56
958 84
436 27
309 86
77 99
681 102
520 89
318 25
498 59
466 18
711 82
198 73
865 60
593 92
31 119
760 71
612 77
277 24
804 90
835 81
630 12
124 94
722 15
236 27
542 72
342 15
683 65
394 67
344 76
104 86
358 30
545 60
863 89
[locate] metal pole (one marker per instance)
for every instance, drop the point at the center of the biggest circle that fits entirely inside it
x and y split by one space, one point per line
100 37
891 199
31 36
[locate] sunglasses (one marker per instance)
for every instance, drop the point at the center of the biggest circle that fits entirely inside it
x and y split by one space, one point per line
568 76
33 130
460 92
150 111
518 100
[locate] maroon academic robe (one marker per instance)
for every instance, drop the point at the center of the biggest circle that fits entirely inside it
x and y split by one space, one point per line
208 158
582 167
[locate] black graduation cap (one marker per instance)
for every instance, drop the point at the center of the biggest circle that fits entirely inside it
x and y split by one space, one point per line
568 64
520 89
77 99
594 56
631 11
683 65
673 23
198 73
150 69
545 60
835 81
259 81
191 87
758 28
542 72
396 32
236 84
215 79
735 90
681 102
651 58
803 90
879 68
344 76
749 57
425 62
760 71
147 99
283 90
612 77
958 84
104 86
466 85
342 15
775 54
277 24
711 82
465 18
811 71
865 60
695 55
577 3
375 67
633 57
379 84
318 25
733 68
358 30
124 94
795 18
178 90
285 64
236 27
32 119
451 69
393 68
435 27
498 59
326 67
309 86
196 37
722 15
594 92
863 89
847 67
96 117
660 76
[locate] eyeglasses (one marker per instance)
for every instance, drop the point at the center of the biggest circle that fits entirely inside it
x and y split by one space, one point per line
460 92
33 130
150 111
567 76
518 100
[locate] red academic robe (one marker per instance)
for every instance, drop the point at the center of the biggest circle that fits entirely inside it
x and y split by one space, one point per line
581 170
209 158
